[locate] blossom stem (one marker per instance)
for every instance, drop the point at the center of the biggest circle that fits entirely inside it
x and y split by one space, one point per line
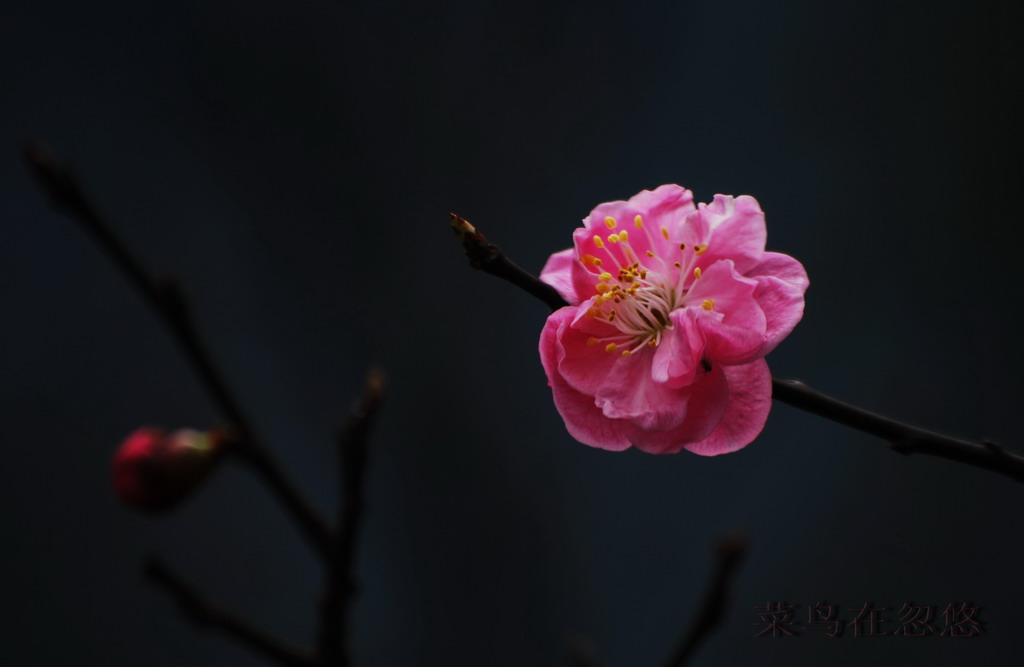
170 303
207 615
333 634
729 554
903 438
489 258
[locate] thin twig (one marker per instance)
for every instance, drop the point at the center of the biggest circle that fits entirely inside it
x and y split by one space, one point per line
489 258
353 451
169 301
207 615
729 553
903 438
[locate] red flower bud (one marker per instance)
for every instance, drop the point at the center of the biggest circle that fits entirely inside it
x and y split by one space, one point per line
154 470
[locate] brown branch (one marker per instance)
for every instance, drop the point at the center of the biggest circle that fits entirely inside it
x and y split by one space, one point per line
489 258
206 615
170 303
353 451
903 438
729 554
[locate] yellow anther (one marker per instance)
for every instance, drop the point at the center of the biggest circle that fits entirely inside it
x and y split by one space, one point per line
650 254
605 276
639 222
651 343
664 232
598 242
593 312
602 287
613 238
696 273
589 260
626 353
708 304
597 261
592 341
624 235
700 249
611 316
610 347
610 223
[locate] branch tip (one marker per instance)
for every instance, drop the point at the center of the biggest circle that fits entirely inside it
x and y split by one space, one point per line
57 180
341 585
374 389
462 228
489 258
581 651
729 554
732 549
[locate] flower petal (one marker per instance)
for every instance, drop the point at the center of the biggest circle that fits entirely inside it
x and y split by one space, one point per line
737 230
783 267
750 400
665 207
783 305
734 326
705 405
782 282
630 393
583 364
557 272
582 418
677 357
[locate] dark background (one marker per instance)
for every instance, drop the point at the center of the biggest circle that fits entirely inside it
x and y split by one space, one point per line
294 164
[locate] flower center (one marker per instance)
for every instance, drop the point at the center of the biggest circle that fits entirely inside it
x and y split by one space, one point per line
639 298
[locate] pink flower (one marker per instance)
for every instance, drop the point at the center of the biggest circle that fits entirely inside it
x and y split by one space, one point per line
154 470
674 307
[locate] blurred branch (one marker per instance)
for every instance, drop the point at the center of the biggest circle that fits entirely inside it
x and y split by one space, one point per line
169 301
581 652
207 615
353 452
729 554
903 438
